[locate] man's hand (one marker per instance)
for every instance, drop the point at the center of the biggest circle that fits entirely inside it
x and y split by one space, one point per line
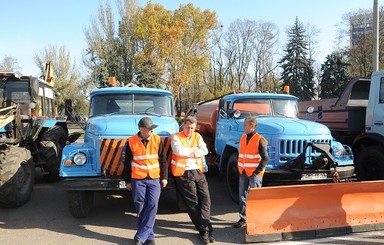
129 186
163 183
193 150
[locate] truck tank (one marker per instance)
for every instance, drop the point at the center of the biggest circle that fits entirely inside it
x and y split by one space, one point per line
206 115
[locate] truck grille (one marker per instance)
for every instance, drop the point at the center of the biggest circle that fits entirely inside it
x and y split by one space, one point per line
290 149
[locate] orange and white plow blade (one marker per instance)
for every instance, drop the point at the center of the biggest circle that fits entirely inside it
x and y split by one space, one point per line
310 211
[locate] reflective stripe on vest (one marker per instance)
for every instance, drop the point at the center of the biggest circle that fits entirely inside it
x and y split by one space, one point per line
249 157
179 163
145 160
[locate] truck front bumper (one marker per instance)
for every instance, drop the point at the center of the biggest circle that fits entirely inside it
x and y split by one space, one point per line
285 176
94 184
101 184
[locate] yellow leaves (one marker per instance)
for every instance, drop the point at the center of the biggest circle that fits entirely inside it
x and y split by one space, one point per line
178 40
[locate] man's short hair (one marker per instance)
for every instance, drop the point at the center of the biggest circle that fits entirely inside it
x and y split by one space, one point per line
251 120
190 119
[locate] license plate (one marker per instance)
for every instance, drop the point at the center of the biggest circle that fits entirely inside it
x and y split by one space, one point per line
313 176
122 184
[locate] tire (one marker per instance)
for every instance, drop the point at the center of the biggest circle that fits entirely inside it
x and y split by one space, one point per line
369 165
53 142
17 176
233 178
80 203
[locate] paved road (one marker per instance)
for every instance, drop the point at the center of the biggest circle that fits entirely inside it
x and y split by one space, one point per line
46 220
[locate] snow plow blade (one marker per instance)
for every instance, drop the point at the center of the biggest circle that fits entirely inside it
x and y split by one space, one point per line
312 211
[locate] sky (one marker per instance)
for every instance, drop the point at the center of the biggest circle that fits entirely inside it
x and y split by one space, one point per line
30 26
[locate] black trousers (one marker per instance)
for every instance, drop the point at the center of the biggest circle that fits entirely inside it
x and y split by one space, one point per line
193 187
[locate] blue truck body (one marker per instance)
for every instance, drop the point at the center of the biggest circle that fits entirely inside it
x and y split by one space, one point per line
97 163
288 138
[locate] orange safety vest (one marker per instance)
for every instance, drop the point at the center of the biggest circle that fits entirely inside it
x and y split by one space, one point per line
145 159
249 157
179 163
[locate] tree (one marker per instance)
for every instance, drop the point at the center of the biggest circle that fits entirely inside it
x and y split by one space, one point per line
263 57
111 48
127 40
355 36
297 67
66 82
240 37
157 35
214 80
178 43
334 76
9 64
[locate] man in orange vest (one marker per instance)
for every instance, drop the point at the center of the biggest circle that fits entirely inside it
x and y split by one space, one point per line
253 157
188 167
145 173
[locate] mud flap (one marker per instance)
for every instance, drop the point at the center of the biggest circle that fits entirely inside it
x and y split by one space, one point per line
311 211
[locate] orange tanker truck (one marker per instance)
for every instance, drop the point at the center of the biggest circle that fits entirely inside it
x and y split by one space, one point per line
300 152
293 144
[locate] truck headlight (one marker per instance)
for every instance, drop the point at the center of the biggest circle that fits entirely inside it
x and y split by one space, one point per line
338 149
79 158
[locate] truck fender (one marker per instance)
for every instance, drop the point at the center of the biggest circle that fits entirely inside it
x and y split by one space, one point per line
228 151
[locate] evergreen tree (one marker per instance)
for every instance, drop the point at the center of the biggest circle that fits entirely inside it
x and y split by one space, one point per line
297 67
334 76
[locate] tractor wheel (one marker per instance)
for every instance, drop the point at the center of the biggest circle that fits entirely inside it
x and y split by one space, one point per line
233 178
17 176
53 142
80 203
369 164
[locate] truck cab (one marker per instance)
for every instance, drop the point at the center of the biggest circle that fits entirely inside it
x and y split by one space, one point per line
374 122
369 144
97 164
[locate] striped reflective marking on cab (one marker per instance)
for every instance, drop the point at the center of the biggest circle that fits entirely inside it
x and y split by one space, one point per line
111 155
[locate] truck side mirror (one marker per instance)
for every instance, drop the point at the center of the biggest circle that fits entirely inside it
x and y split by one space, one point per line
320 112
236 114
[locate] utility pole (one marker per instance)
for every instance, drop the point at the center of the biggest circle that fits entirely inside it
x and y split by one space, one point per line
375 54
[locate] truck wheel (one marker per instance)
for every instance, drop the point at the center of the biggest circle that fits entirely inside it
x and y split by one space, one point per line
369 165
233 178
80 203
17 176
53 142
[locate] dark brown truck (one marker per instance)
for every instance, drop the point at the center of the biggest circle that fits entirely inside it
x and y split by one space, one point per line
344 116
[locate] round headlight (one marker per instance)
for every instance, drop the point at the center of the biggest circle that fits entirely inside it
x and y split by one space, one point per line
80 158
338 149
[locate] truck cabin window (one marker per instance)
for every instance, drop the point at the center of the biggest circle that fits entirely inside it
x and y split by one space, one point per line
267 107
17 92
131 104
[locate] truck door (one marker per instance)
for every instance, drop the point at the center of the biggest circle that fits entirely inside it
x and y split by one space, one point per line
222 126
378 112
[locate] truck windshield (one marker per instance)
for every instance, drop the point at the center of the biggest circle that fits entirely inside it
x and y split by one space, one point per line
15 91
285 108
160 105
267 107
